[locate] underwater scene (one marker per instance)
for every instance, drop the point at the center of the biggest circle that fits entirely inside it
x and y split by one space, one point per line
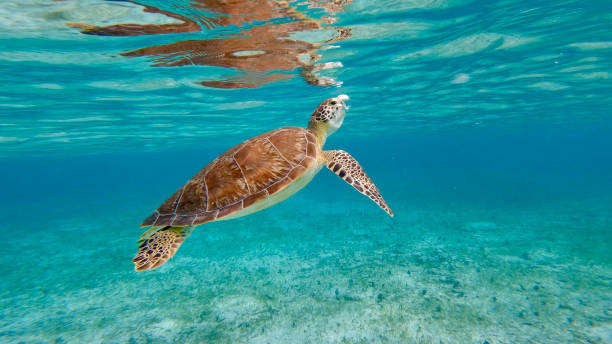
483 127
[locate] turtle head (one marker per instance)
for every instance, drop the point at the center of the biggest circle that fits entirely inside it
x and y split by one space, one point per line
328 117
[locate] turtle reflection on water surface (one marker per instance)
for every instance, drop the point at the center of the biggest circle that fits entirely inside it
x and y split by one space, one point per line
263 51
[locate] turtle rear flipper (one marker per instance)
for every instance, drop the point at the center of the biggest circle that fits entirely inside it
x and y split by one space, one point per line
159 247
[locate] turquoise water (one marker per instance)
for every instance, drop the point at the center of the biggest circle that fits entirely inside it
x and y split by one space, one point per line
485 125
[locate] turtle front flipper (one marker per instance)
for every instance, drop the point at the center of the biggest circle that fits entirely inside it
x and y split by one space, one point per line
347 168
157 246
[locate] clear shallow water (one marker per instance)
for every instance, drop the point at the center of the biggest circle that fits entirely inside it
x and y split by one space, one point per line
486 127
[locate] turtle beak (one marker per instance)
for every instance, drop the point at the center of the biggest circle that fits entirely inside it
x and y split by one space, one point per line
343 98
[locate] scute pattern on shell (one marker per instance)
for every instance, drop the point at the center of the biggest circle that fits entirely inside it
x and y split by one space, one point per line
244 175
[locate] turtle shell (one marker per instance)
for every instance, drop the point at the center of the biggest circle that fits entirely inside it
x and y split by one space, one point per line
244 175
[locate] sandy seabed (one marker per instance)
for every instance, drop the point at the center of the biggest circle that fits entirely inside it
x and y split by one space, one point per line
427 276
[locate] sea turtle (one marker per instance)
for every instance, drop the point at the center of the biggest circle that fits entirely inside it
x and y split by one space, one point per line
249 177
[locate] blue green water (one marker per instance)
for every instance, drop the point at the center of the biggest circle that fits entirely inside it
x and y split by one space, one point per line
485 125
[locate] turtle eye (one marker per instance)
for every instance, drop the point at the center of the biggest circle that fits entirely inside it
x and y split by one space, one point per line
333 102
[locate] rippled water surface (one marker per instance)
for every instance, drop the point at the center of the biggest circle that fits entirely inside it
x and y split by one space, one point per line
485 125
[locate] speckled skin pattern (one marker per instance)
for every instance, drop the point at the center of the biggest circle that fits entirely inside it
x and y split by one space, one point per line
156 250
325 112
347 168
